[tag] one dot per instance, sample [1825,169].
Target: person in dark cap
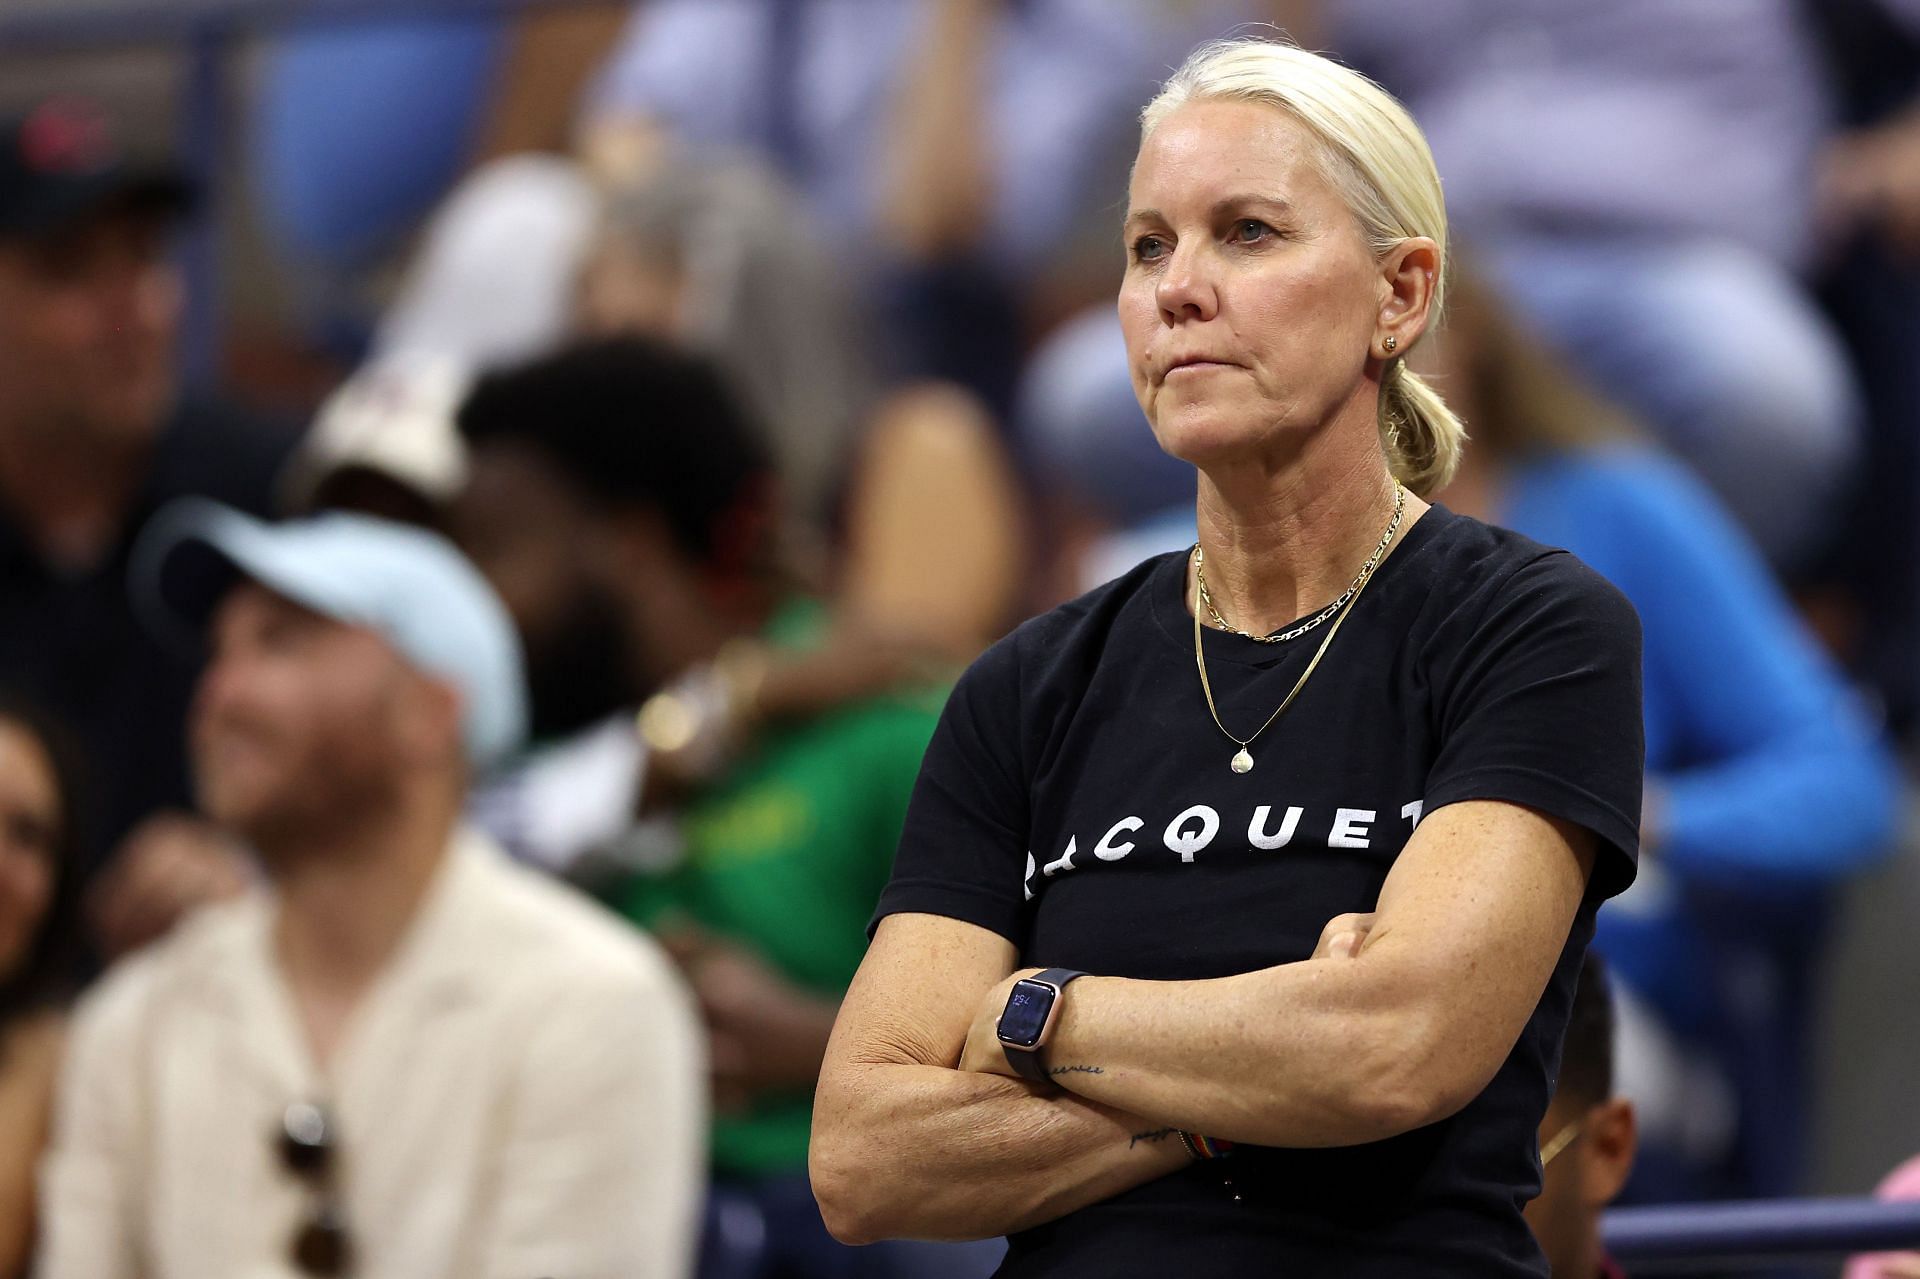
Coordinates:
[96,432]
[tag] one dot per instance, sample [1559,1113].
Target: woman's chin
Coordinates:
[1202,435]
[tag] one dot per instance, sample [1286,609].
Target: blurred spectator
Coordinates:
[905,499]
[493,281]
[767,833]
[947,146]
[1083,430]
[95,434]
[39,809]
[1902,1183]
[1766,783]
[1111,497]
[384,443]
[1870,175]
[412,1058]
[715,255]
[1639,178]
[1869,202]
[1587,1140]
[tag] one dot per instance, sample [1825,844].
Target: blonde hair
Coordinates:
[1375,155]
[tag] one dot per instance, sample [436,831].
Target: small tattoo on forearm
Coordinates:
[1157,1134]
[1076,1070]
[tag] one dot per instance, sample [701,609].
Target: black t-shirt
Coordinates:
[1077,800]
[73,644]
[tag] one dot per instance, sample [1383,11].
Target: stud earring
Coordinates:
[1392,344]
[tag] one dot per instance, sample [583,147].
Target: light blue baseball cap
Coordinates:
[406,584]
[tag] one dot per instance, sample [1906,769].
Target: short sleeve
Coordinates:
[1539,705]
[963,850]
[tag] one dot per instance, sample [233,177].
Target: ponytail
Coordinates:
[1422,437]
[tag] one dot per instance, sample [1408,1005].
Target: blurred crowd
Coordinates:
[437,825]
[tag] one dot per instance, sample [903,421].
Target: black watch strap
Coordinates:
[1027,1063]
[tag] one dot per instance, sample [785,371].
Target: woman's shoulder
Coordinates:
[1058,651]
[1092,616]
[1474,567]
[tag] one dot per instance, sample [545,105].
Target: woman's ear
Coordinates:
[1411,272]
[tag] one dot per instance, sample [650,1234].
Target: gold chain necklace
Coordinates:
[1243,759]
[1281,637]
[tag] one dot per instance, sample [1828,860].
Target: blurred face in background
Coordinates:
[1251,297]
[302,724]
[88,322]
[30,836]
[553,567]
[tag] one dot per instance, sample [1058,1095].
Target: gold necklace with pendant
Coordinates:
[1243,759]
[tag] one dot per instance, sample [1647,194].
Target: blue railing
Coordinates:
[1682,1237]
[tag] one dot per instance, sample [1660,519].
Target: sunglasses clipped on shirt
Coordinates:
[309,1149]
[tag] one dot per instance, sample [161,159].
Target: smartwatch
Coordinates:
[1026,1023]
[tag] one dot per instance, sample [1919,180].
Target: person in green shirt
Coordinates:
[781,749]
[782,857]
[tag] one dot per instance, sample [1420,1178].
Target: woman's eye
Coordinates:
[1250,231]
[1149,248]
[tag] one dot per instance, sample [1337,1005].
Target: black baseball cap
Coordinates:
[60,163]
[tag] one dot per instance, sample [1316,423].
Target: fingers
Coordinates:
[168,866]
[1344,936]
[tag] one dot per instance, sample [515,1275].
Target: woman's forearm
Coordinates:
[1306,1054]
[925,1152]
[1473,918]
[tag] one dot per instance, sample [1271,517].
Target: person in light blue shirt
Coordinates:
[1767,780]
[1639,178]
[953,152]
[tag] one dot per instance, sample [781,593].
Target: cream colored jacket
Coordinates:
[522,1094]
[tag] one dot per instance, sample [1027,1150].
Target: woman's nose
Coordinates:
[1186,290]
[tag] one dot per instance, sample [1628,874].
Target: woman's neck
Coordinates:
[1282,543]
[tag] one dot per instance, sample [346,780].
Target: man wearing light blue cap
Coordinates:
[410,1057]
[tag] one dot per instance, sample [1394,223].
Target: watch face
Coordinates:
[1026,1013]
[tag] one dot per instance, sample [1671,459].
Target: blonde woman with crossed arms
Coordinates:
[1104,1011]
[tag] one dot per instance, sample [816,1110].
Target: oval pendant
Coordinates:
[1243,761]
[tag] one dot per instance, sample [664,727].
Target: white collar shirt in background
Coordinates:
[521,1094]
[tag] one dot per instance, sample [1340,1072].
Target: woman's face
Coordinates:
[1251,299]
[29,841]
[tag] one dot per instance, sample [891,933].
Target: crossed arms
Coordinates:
[1397,1021]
